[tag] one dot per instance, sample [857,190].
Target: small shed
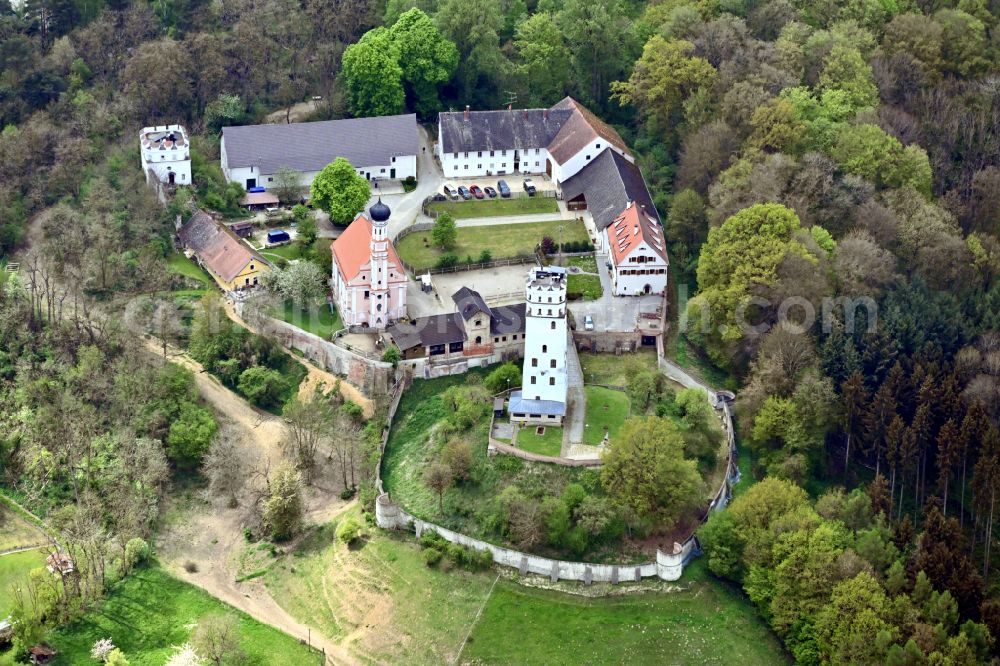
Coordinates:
[276,236]
[60,563]
[41,654]
[259,200]
[243,229]
[498,407]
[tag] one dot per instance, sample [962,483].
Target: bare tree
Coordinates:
[227,464]
[216,639]
[309,423]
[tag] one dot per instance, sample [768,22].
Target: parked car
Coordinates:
[490,192]
[464,192]
[503,188]
[477,191]
[529,187]
[451,192]
[588,323]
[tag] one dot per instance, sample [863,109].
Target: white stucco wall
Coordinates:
[563,172]
[627,284]
[474,165]
[545,306]
[163,163]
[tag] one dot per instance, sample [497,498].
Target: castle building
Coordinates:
[165,153]
[369,283]
[542,398]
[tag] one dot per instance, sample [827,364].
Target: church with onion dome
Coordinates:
[368,281]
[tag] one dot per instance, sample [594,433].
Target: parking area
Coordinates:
[514,180]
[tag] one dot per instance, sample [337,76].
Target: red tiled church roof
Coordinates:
[352,249]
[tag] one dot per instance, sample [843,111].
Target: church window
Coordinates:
[545,348]
[366,294]
[552,381]
[532,379]
[552,363]
[553,326]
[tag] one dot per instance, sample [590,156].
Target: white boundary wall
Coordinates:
[668,566]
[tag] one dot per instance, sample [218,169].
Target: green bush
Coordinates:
[409,184]
[349,530]
[447,260]
[136,552]
[456,554]
[431,556]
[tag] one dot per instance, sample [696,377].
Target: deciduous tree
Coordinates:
[340,191]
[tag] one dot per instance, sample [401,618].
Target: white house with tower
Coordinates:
[165,153]
[542,398]
[368,281]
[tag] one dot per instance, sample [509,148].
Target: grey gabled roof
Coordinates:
[311,146]
[500,130]
[608,184]
[469,302]
[508,319]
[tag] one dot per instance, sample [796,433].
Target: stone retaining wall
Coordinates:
[370,376]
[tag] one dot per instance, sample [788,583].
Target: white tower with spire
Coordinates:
[380,293]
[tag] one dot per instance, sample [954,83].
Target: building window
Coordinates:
[534,362]
[383,170]
[553,326]
[532,379]
[436,349]
[552,363]
[479,154]
[545,348]
[251,266]
[503,166]
[455,346]
[456,156]
[598,146]
[270,180]
[536,152]
[467,156]
[366,294]
[492,152]
[504,338]
[552,381]
[479,166]
[550,311]
[479,323]
[466,167]
[536,163]
[586,157]
[503,153]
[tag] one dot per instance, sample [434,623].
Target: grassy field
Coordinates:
[615,370]
[547,444]
[502,240]
[151,612]
[397,610]
[707,623]
[496,207]
[181,265]
[15,532]
[317,320]
[585,287]
[14,568]
[607,410]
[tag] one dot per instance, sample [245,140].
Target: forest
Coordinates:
[828,173]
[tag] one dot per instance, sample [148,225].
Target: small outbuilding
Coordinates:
[41,654]
[259,200]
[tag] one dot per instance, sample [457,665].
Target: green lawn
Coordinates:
[495,207]
[287,251]
[502,240]
[614,370]
[317,320]
[398,609]
[585,287]
[607,409]
[547,444]
[151,612]
[707,623]
[181,265]
[586,263]
[14,569]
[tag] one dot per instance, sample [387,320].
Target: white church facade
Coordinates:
[368,280]
[542,397]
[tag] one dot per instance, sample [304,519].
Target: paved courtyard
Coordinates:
[612,313]
[503,285]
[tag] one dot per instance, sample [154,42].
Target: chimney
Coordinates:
[467,113]
[525,114]
[545,114]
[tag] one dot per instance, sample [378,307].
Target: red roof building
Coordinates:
[369,281]
[637,251]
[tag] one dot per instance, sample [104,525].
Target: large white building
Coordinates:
[542,398]
[369,283]
[379,148]
[628,227]
[559,141]
[165,153]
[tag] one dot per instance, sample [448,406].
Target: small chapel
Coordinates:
[369,283]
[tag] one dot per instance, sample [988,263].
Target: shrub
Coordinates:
[548,246]
[456,554]
[190,567]
[485,257]
[391,355]
[136,552]
[431,556]
[409,184]
[349,530]
[447,260]
[348,493]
